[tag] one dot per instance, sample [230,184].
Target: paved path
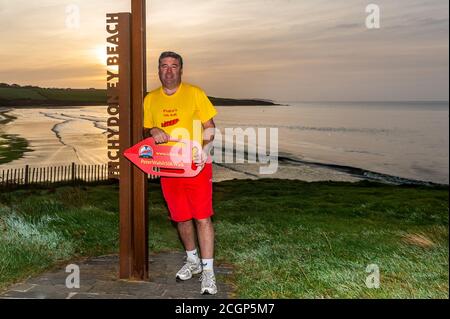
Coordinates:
[99,280]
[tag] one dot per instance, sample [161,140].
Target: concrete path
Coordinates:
[99,280]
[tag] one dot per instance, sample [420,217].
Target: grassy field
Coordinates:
[285,239]
[18,94]
[97,96]
[39,96]
[33,96]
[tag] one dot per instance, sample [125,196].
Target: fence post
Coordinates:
[27,168]
[73,172]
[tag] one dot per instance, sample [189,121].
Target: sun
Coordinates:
[100,54]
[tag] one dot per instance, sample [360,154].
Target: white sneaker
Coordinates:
[208,280]
[190,268]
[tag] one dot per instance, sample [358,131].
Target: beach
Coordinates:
[316,142]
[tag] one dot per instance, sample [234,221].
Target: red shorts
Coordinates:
[189,197]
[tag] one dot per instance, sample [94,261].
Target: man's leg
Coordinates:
[205,232]
[193,263]
[187,234]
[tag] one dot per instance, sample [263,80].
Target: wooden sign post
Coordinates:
[126,91]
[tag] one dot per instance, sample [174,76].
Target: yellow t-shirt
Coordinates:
[180,115]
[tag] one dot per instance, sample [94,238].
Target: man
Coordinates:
[173,108]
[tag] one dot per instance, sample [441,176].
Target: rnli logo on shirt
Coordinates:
[170,123]
[145,152]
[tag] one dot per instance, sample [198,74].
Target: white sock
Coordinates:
[192,255]
[208,264]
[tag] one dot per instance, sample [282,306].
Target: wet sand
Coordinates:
[56,139]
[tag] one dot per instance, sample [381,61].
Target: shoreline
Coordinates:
[56,103]
[5,118]
[364,173]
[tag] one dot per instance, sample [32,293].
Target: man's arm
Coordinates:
[158,134]
[147,133]
[209,130]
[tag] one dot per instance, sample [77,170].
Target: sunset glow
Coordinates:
[280,49]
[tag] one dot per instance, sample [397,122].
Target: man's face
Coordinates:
[170,72]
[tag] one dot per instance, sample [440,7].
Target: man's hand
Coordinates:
[159,135]
[199,157]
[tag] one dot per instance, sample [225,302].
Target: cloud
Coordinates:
[277,49]
[349,26]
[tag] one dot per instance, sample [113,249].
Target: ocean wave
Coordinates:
[99,123]
[340,129]
[364,130]
[360,172]
[363,152]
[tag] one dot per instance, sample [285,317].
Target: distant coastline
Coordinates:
[16,95]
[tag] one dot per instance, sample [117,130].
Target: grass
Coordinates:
[20,94]
[12,146]
[285,239]
[54,96]
[41,95]
[83,95]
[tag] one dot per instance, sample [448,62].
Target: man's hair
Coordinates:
[170,54]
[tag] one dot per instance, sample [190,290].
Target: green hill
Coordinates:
[15,95]
[12,94]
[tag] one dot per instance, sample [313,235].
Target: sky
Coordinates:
[284,50]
